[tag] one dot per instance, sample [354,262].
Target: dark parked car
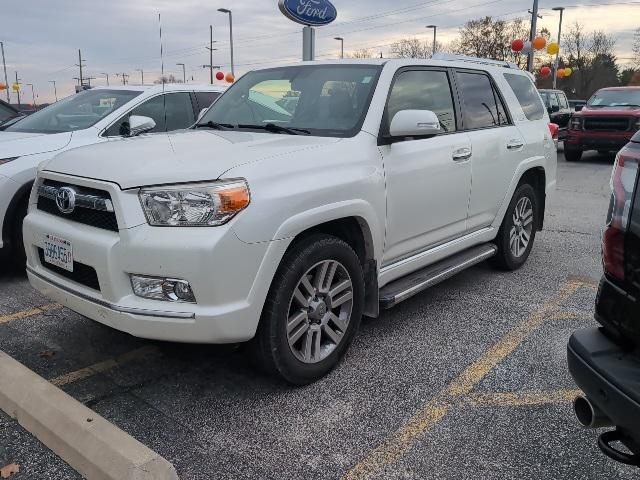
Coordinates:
[605,362]
[606,123]
[7,112]
[558,108]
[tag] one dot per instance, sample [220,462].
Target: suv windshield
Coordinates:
[615,98]
[322,100]
[76,112]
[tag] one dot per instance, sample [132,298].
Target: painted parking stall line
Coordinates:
[30,313]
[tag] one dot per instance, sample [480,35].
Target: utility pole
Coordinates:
[107,75]
[532,35]
[225,10]
[55,90]
[184,73]
[88,79]
[434,38]
[211,49]
[79,65]
[141,74]
[33,94]
[4,66]
[341,40]
[124,77]
[555,64]
[18,92]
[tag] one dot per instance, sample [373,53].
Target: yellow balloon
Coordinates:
[16,87]
[567,72]
[553,48]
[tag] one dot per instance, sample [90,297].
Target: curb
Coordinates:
[90,444]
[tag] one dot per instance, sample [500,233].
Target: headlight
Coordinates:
[7,160]
[195,205]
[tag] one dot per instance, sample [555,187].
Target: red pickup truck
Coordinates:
[606,123]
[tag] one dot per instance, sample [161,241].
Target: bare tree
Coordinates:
[168,79]
[411,48]
[636,47]
[363,53]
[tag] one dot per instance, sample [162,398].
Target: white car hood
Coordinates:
[18,144]
[186,156]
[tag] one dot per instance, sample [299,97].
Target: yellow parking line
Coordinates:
[30,313]
[403,439]
[83,373]
[520,399]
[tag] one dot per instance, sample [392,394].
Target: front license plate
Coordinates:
[58,252]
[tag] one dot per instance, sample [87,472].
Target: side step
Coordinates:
[406,287]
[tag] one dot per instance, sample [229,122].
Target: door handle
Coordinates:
[515,144]
[461,154]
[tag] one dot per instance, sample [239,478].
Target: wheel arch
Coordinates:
[537,178]
[21,195]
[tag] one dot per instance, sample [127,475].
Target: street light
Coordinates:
[555,64]
[141,74]
[225,10]
[55,90]
[184,74]
[106,75]
[33,94]
[341,40]
[435,27]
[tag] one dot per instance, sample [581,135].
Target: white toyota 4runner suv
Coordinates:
[306,197]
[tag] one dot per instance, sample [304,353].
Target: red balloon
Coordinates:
[517,45]
[219,76]
[545,71]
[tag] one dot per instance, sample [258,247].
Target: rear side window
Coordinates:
[482,108]
[205,99]
[526,94]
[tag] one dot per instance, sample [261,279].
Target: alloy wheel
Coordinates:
[520,233]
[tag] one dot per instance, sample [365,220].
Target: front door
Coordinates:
[429,179]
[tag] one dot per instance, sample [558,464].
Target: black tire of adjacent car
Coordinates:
[572,155]
[18,257]
[504,258]
[271,343]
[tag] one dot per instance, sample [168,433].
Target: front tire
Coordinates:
[313,310]
[572,155]
[518,230]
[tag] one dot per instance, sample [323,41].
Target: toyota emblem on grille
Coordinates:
[66,199]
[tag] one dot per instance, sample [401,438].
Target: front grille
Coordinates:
[87,216]
[607,124]
[82,274]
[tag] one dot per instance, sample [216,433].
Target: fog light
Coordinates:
[158,288]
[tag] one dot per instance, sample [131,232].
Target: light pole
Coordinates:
[434,38]
[141,74]
[18,90]
[532,34]
[55,90]
[4,65]
[33,94]
[106,75]
[184,74]
[341,40]
[555,64]
[225,10]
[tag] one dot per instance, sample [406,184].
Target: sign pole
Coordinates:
[308,44]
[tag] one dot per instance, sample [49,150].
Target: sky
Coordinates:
[42,37]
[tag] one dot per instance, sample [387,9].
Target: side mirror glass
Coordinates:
[414,123]
[139,124]
[201,114]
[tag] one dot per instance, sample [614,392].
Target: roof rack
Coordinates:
[451,57]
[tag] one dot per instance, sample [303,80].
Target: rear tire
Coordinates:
[312,311]
[18,256]
[572,155]
[518,230]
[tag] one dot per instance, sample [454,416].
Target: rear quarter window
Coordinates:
[527,95]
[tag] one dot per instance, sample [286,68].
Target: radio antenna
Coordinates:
[161,53]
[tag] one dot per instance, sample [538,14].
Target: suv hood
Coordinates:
[181,157]
[590,111]
[18,144]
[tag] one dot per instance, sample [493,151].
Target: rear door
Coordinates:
[497,145]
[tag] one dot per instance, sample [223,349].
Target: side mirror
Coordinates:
[414,123]
[553,109]
[579,108]
[139,124]
[201,114]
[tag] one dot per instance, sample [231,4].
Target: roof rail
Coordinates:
[451,57]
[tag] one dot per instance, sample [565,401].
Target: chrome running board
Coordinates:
[408,286]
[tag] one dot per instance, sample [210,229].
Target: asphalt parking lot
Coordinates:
[467,380]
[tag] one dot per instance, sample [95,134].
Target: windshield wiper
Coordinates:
[272,127]
[214,125]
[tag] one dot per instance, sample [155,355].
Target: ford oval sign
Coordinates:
[309,12]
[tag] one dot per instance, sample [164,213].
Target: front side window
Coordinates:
[563,100]
[172,111]
[205,99]
[77,112]
[482,108]
[423,90]
[323,100]
[6,113]
[527,95]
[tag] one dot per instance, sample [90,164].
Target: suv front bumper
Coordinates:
[593,140]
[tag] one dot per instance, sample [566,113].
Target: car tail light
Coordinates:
[553,128]
[623,182]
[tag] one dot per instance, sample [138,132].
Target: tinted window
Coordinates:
[172,111]
[423,90]
[325,100]
[527,95]
[76,112]
[480,102]
[205,99]
[6,113]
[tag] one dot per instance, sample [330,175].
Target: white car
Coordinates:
[287,225]
[93,116]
